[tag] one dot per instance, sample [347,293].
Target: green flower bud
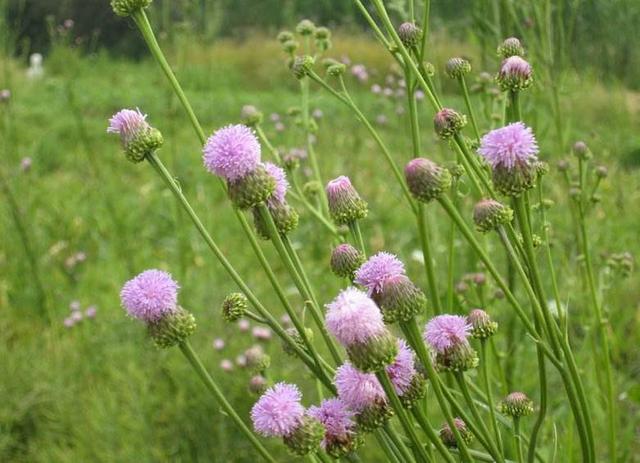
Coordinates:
[284,37]
[128,7]
[457,67]
[250,116]
[510,47]
[375,354]
[409,34]
[516,404]
[173,329]
[374,416]
[482,327]
[234,307]
[449,438]
[489,214]
[306,438]
[252,189]
[306,27]
[426,180]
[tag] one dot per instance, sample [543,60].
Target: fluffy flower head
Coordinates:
[509,146]
[150,296]
[356,389]
[282,184]
[353,317]
[128,123]
[373,273]
[336,418]
[232,152]
[279,411]
[445,331]
[403,368]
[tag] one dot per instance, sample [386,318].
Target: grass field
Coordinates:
[99,391]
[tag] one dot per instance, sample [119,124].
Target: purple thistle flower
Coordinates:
[510,146]
[445,331]
[69,322]
[356,389]
[244,325]
[353,318]
[150,296]
[261,333]
[232,152]
[403,369]
[337,420]
[241,361]
[226,365]
[282,184]
[279,411]
[374,272]
[128,123]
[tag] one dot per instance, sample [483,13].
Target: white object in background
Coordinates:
[35,66]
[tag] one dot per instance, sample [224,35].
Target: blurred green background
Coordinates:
[90,220]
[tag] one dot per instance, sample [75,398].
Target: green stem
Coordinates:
[397,444]
[354,227]
[304,89]
[492,447]
[404,419]
[208,381]
[414,338]
[601,324]
[312,362]
[467,102]
[278,243]
[518,439]
[428,259]
[486,380]
[423,421]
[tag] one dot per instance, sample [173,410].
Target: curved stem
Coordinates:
[208,381]
[391,394]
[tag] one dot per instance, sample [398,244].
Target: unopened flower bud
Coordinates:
[345,204]
[336,70]
[252,189]
[482,327]
[516,404]
[515,181]
[489,214]
[250,115]
[426,180]
[284,216]
[258,384]
[409,34]
[301,65]
[448,122]
[510,47]
[138,138]
[284,36]
[581,150]
[515,74]
[322,33]
[128,7]
[429,68]
[563,165]
[373,416]
[449,438]
[257,359]
[172,329]
[311,189]
[297,339]
[400,300]
[306,437]
[345,260]
[306,27]
[290,46]
[5,95]
[457,67]
[415,392]
[234,307]
[602,172]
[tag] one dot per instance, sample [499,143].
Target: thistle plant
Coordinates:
[375,369]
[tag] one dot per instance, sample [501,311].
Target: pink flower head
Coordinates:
[282,184]
[339,187]
[403,368]
[150,296]
[337,420]
[279,411]
[353,317]
[356,389]
[91,311]
[128,123]
[509,146]
[244,325]
[515,67]
[232,152]
[445,331]
[374,272]
[226,365]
